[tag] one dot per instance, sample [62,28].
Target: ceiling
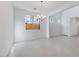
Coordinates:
[48,6]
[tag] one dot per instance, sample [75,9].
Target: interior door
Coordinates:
[55,26]
[77,25]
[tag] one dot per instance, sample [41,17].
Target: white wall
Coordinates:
[20,33]
[65,25]
[55,25]
[77,21]
[6,27]
[78,27]
[73,27]
[68,25]
[67,14]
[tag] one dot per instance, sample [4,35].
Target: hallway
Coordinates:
[61,46]
[39,29]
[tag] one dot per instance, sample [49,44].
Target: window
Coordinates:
[32,23]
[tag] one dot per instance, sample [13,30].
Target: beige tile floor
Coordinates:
[61,46]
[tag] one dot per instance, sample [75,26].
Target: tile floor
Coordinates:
[61,46]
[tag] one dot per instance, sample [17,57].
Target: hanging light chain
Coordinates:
[41,7]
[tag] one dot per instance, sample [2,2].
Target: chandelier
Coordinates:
[40,16]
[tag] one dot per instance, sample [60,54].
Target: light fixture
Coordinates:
[41,16]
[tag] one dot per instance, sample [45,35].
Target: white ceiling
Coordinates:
[48,7]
